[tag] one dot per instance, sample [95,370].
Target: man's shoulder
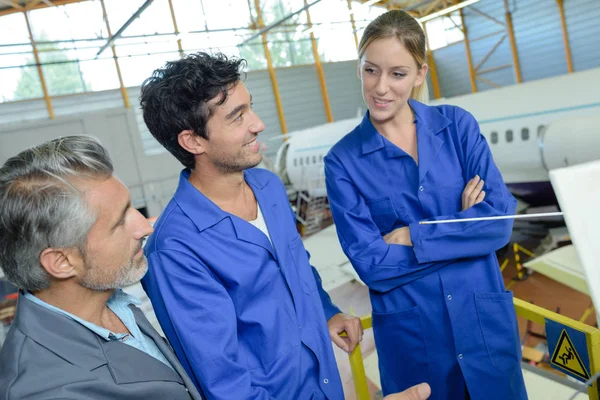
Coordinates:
[172,222]
[9,354]
[23,356]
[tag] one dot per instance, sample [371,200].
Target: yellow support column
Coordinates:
[271,70]
[319,66]
[513,43]
[563,22]
[432,69]
[176,30]
[468,53]
[39,68]
[353,23]
[114,52]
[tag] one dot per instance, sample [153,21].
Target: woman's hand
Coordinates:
[399,236]
[473,193]
[421,391]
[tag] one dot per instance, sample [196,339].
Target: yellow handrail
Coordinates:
[526,310]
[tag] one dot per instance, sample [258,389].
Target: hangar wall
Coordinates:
[151,172]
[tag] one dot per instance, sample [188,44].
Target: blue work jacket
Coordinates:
[247,319]
[441,313]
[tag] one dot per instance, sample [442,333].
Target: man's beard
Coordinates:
[99,279]
[237,163]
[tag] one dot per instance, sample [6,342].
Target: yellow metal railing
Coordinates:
[358,367]
[524,309]
[592,335]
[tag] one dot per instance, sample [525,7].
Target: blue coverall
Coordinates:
[246,318]
[441,313]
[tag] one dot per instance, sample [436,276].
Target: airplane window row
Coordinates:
[509,135]
[307,160]
[494,138]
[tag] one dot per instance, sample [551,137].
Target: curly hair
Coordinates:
[175,98]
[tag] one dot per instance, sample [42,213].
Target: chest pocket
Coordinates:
[383,214]
[303,268]
[451,197]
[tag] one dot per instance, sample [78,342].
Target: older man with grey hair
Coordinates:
[70,239]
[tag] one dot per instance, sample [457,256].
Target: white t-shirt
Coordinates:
[260,223]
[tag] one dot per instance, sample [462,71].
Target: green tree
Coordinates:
[285,50]
[62,77]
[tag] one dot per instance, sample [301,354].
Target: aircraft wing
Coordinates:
[578,194]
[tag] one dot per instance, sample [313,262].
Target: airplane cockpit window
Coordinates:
[525,134]
[494,137]
[509,135]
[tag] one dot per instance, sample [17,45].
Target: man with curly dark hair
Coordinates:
[229,277]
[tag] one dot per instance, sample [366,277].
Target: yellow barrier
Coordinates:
[520,269]
[592,335]
[524,309]
[357,366]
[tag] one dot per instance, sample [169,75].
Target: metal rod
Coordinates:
[121,57]
[39,68]
[487,35]
[353,23]
[35,3]
[273,25]
[319,66]
[489,53]
[176,29]
[271,69]
[519,216]
[513,43]
[563,23]
[124,93]
[154,35]
[430,8]
[483,71]
[415,6]
[477,11]
[482,79]
[17,7]
[472,71]
[114,37]
[432,68]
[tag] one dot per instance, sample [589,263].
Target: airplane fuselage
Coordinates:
[531,128]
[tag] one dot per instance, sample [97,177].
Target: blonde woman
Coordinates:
[441,313]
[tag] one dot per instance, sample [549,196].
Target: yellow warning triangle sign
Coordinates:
[565,356]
